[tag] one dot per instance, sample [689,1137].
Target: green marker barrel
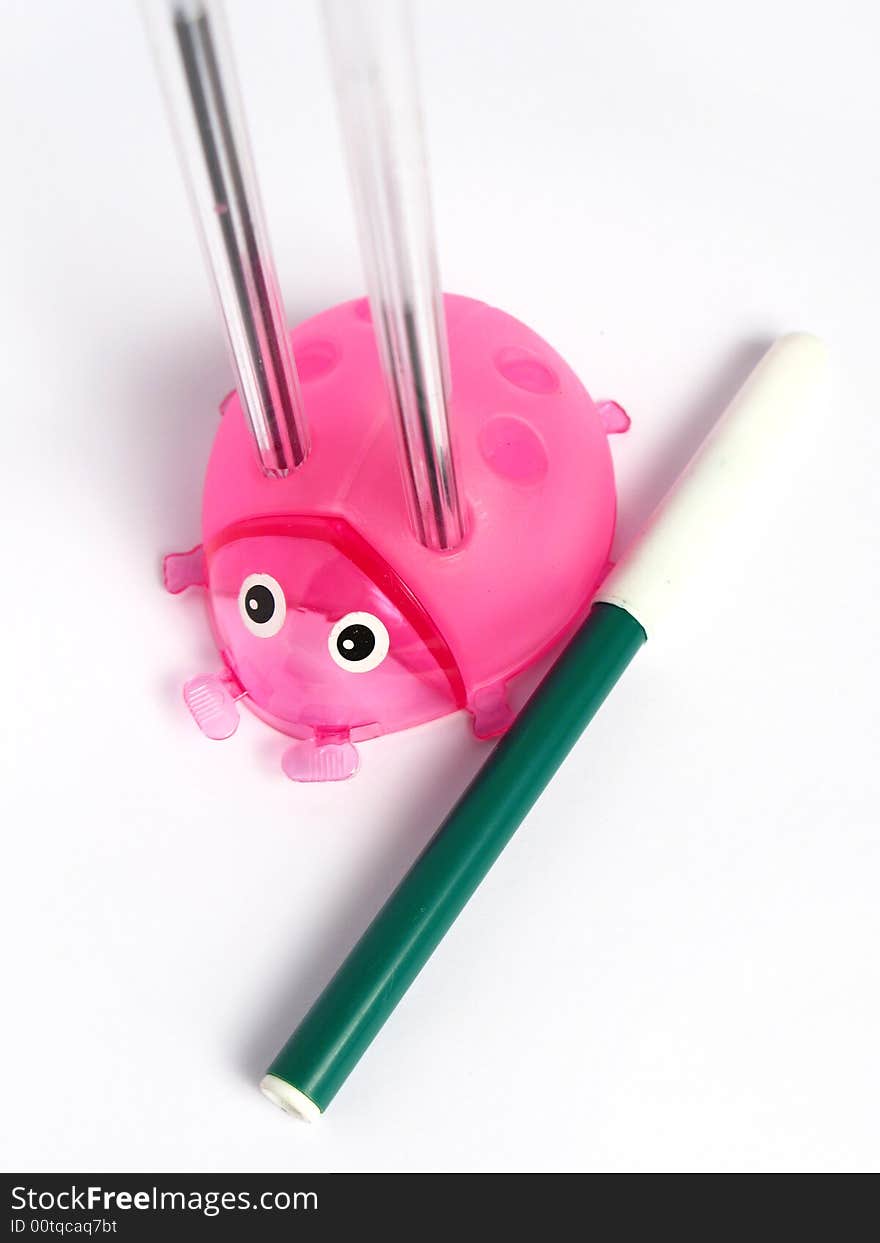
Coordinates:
[326,1046]
[342,1023]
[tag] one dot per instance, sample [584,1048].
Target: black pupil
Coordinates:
[355,642]
[259,603]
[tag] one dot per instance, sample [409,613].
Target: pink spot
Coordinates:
[362,310]
[513,449]
[315,359]
[525,370]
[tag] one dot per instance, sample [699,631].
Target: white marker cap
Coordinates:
[719,479]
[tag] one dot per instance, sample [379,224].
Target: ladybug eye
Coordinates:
[359,642]
[262,605]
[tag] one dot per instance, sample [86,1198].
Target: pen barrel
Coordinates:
[352,1009]
[372,55]
[720,480]
[196,69]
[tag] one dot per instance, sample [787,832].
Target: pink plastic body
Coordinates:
[334,623]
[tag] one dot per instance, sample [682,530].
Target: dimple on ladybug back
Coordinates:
[333,623]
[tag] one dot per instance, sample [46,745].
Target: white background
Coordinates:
[674,964]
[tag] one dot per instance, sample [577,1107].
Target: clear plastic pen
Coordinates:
[373,62]
[197,72]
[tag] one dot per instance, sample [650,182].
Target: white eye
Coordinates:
[262,605]
[359,642]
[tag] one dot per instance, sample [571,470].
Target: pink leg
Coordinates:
[614,418]
[211,700]
[323,758]
[491,712]
[185,569]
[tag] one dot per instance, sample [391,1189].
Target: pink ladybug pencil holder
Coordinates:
[333,623]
